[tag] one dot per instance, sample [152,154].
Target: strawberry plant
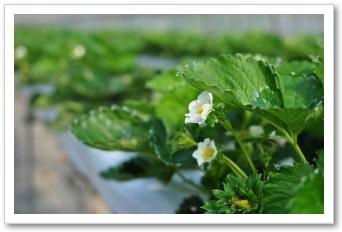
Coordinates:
[249,116]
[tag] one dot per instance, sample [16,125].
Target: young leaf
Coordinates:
[112,129]
[238,196]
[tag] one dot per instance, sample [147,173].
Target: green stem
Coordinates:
[299,152]
[235,168]
[190,182]
[260,148]
[226,124]
[294,144]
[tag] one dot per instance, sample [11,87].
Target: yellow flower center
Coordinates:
[208,153]
[200,109]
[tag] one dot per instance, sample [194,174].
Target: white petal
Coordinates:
[212,145]
[205,97]
[206,110]
[198,156]
[190,120]
[193,106]
[193,118]
[203,145]
[206,141]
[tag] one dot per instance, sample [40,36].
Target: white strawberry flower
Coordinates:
[206,151]
[20,52]
[200,108]
[78,51]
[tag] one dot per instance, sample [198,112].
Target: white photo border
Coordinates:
[326,218]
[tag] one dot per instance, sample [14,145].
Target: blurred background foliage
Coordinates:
[86,69]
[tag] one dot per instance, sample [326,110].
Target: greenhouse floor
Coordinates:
[45,182]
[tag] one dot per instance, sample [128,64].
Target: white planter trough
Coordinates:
[143,195]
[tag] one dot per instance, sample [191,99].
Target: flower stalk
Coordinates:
[226,124]
[294,144]
[234,167]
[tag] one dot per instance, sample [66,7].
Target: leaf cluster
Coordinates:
[294,189]
[238,196]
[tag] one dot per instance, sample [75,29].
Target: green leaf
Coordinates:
[292,103]
[234,79]
[282,186]
[176,96]
[309,197]
[158,138]
[139,167]
[301,92]
[303,102]
[173,106]
[297,68]
[113,128]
